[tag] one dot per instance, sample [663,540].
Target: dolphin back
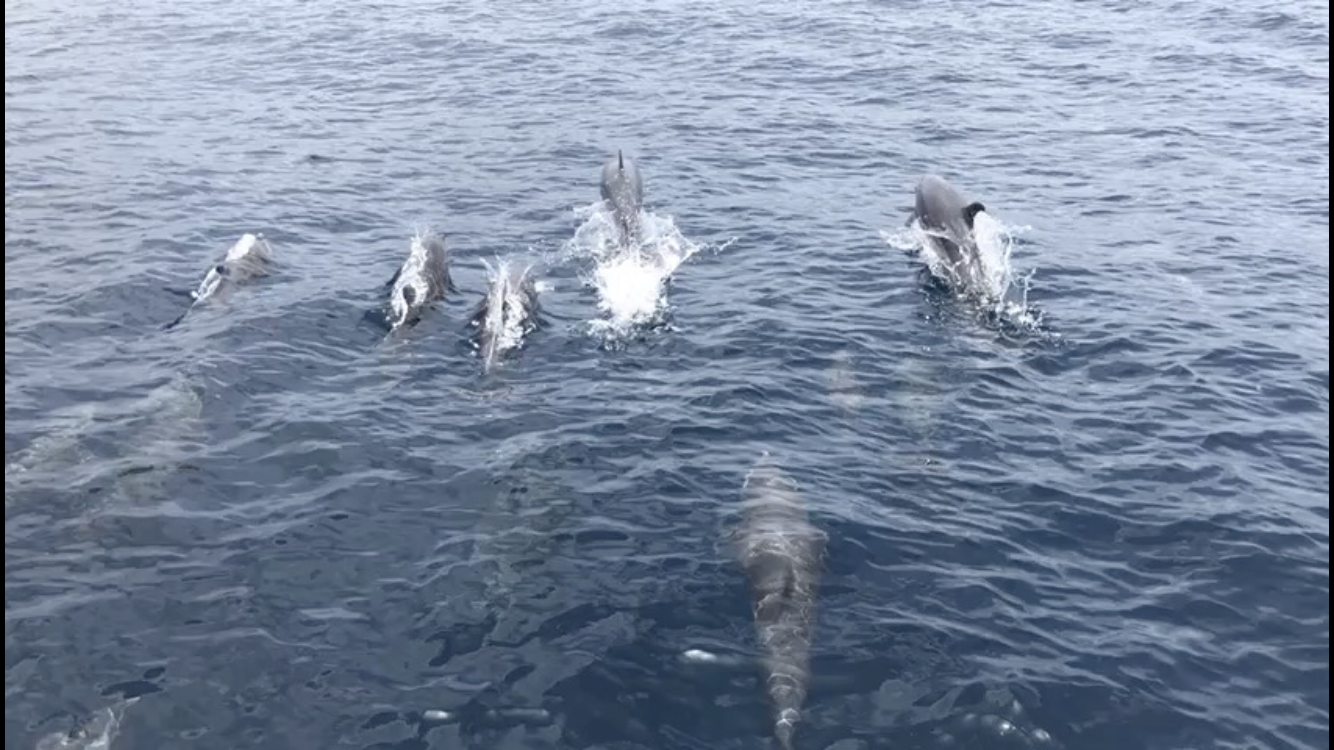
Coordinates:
[623,190]
[437,262]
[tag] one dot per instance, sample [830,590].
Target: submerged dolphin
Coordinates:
[422,280]
[782,554]
[948,218]
[623,190]
[506,314]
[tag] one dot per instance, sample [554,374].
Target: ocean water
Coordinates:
[1094,517]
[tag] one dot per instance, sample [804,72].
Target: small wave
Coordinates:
[631,282]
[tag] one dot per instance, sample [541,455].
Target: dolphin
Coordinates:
[782,554]
[506,313]
[623,190]
[422,280]
[948,218]
[250,256]
[96,732]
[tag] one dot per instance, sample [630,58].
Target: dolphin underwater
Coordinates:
[422,280]
[782,554]
[948,218]
[506,313]
[623,190]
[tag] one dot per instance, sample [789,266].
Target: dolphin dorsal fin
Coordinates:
[971,211]
[620,158]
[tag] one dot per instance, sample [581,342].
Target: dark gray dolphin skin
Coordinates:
[422,280]
[942,210]
[507,312]
[782,554]
[623,190]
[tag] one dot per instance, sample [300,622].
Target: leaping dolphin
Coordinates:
[623,190]
[948,219]
[782,554]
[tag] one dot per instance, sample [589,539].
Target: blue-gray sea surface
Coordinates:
[279,528]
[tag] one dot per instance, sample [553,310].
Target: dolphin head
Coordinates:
[213,280]
[971,211]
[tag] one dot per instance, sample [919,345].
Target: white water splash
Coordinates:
[631,282]
[990,282]
[414,274]
[993,254]
[507,316]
